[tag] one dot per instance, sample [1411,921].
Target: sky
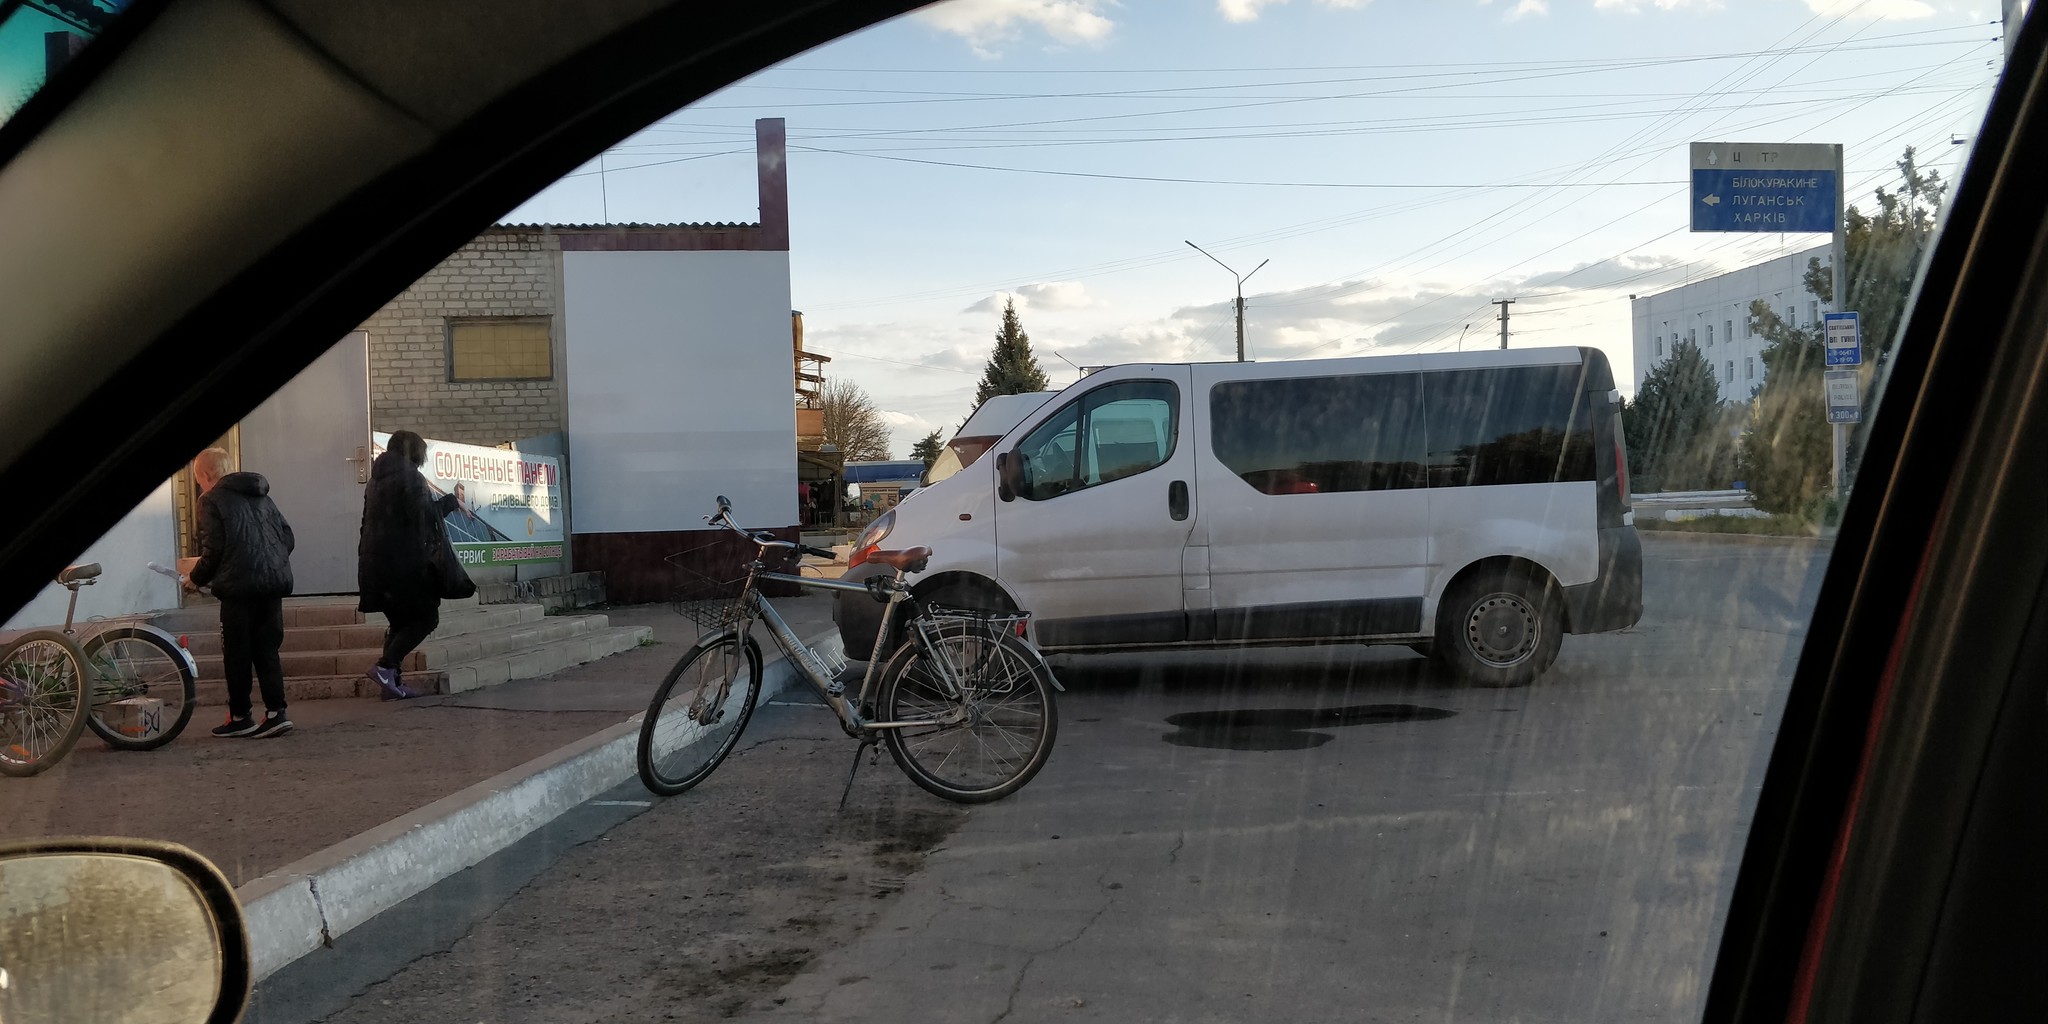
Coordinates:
[1399,164]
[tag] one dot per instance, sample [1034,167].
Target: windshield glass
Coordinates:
[1394,609]
[39,37]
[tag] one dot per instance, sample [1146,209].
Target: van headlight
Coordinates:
[871,538]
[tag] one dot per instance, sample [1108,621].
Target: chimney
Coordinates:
[771,154]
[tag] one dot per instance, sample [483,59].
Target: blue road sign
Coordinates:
[1764,188]
[1843,336]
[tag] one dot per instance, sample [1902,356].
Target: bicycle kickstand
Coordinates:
[866,743]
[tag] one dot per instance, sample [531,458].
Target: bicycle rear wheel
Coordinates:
[698,713]
[988,741]
[143,688]
[44,701]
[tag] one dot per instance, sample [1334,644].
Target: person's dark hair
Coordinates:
[412,446]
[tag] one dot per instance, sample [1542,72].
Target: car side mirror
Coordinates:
[118,929]
[1009,475]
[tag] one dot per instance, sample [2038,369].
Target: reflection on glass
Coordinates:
[104,937]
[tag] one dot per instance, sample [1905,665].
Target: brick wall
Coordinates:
[505,272]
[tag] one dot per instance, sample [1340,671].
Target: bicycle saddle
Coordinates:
[907,559]
[80,573]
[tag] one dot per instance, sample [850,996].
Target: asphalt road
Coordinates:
[1330,834]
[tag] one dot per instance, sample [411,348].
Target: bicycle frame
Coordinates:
[810,666]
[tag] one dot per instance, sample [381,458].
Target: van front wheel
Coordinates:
[1501,627]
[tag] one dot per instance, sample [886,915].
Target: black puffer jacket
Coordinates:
[396,563]
[245,546]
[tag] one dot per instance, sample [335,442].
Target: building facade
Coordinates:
[1713,314]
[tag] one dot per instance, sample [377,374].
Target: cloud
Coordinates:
[905,419]
[1902,10]
[1636,6]
[1042,296]
[1528,8]
[987,24]
[1241,11]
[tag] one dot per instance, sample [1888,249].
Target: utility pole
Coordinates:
[1239,304]
[1503,304]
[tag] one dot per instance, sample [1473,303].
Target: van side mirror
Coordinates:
[1009,475]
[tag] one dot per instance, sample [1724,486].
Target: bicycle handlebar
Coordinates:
[723,518]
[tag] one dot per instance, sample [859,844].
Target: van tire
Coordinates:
[1502,626]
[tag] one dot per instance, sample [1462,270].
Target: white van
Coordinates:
[1473,506]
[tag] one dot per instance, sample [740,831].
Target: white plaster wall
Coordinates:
[147,534]
[1723,301]
[679,388]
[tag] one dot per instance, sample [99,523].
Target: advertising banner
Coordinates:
[510,502]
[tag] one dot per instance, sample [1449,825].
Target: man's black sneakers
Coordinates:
[274,724]
[236,727]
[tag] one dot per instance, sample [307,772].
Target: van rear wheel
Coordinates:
[1501,627]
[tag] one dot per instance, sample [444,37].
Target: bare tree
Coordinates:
[853,422]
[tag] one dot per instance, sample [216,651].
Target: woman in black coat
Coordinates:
[399,567]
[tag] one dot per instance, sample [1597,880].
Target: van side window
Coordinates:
[1106,435]
[1507,425]
[1320,435]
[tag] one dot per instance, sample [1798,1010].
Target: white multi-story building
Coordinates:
[1713,313]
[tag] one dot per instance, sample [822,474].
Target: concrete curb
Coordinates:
[303,906]
[1737,538]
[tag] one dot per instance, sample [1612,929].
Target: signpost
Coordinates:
[1772,188]
[1842,339]
[1739,186]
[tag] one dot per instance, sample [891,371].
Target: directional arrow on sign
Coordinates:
[1713,158]
[1711,200]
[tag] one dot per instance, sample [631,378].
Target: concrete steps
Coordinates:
[329,646]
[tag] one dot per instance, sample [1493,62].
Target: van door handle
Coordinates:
[1177,500]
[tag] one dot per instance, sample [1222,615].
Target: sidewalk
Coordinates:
[252,806]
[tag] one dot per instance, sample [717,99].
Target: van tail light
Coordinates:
[1621,470]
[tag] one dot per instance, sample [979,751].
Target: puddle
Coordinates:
[1284,728]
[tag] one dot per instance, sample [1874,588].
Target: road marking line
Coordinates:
[622,803]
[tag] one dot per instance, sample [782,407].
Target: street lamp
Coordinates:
[1241,279]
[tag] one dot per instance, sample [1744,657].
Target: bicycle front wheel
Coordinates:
[697,715]
[143,688]
[981,738]
[44,701]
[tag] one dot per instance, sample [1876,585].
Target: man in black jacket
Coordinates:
[245,555]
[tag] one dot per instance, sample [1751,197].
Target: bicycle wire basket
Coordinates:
[709,587]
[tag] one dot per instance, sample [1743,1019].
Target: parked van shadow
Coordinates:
[1284,728]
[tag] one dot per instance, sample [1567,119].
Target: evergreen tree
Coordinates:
[1676,436]
[1012,369]
[928,448]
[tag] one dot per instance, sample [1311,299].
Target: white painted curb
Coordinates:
[303,906]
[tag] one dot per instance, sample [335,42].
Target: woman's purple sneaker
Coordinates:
[387,680]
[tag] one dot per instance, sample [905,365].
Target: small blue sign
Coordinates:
[1735,199]
[1843,336]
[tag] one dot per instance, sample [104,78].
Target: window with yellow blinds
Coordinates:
[500,349]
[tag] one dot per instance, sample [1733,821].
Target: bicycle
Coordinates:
[52,688]
[965,706]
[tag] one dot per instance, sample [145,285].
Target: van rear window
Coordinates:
[1507,425]
[1320,435]
[1392,431]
